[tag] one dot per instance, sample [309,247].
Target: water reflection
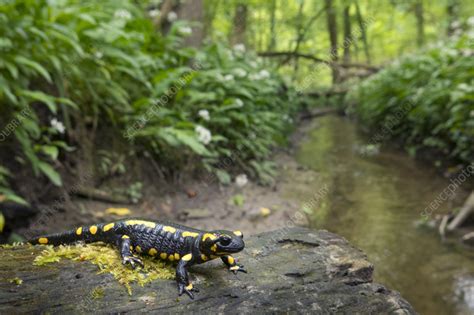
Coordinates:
[374,201]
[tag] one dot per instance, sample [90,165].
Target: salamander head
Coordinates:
[222,242]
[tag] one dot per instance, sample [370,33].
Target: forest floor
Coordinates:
[202,204]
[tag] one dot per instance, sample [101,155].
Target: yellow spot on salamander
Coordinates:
[163,255]
[79,231]
[109,227]
[169,229]
[230,260]
[192,234]
[189,287]
[125,236]
[214,248]
[93,229]
[141,222]
[176,256]
[138,249]
[238,233]
[152,252]
[171,257]
[188,257]
[203,257]
[43,240]
[208,235]
[234,268]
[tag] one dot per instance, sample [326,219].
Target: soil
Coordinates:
[200,203]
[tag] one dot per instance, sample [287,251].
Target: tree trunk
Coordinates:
[420,23]
[299,37]
[192,10]
[452,11]
[161,22]
[363,33]
[347,34]
[273,6]
[332,30]
[240,25]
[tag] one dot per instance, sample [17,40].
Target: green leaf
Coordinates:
[35,66]
[51,151]
[49,171]
[2,222]
[42,97]
[223,176]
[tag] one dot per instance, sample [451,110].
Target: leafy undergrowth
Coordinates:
[108,260]
[425,100]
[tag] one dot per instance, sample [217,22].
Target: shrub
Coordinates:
[66,64]
[426,99]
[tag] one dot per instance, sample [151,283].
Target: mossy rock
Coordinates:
[290,270]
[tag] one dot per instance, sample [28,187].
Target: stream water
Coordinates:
[375,202]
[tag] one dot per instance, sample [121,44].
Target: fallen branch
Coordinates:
[326,93]
[292,54]
[442,226]
[318,112]
[100,195]
[463,214]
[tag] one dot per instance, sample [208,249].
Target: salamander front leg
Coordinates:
[127,256]
[184,286]
[231,263]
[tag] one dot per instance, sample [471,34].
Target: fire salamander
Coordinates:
[164,240]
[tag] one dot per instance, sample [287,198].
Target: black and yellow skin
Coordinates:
[164,240]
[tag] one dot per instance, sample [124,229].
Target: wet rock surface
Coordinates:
[293,270]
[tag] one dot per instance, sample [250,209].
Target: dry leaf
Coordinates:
[118,211]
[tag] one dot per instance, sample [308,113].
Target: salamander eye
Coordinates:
[225,240]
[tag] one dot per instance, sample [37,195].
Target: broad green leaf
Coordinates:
[49,171]
[42,97]
[51,151]
[2,221]
[35,66]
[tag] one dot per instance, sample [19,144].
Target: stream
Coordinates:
[375,202]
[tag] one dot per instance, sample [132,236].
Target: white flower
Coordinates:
[230,55]
[467,52]
[264,74]
[98,54]
[186,30]
[204,135]
[238,102]
[464,87]
[204,114]
[240,72]
[122,14]
[239,48]
[172,16]
[254,76]
[154,13]
[455,24]
[253,64]
[57,125]
[471,113]
[228,77]
[241,180]
[470,21]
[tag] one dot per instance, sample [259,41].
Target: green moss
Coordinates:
[16,281]
[98,293]
[108,260]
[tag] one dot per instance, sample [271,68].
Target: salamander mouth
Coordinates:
[232,247]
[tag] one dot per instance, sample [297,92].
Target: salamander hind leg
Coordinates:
[232,264]
[127,256]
